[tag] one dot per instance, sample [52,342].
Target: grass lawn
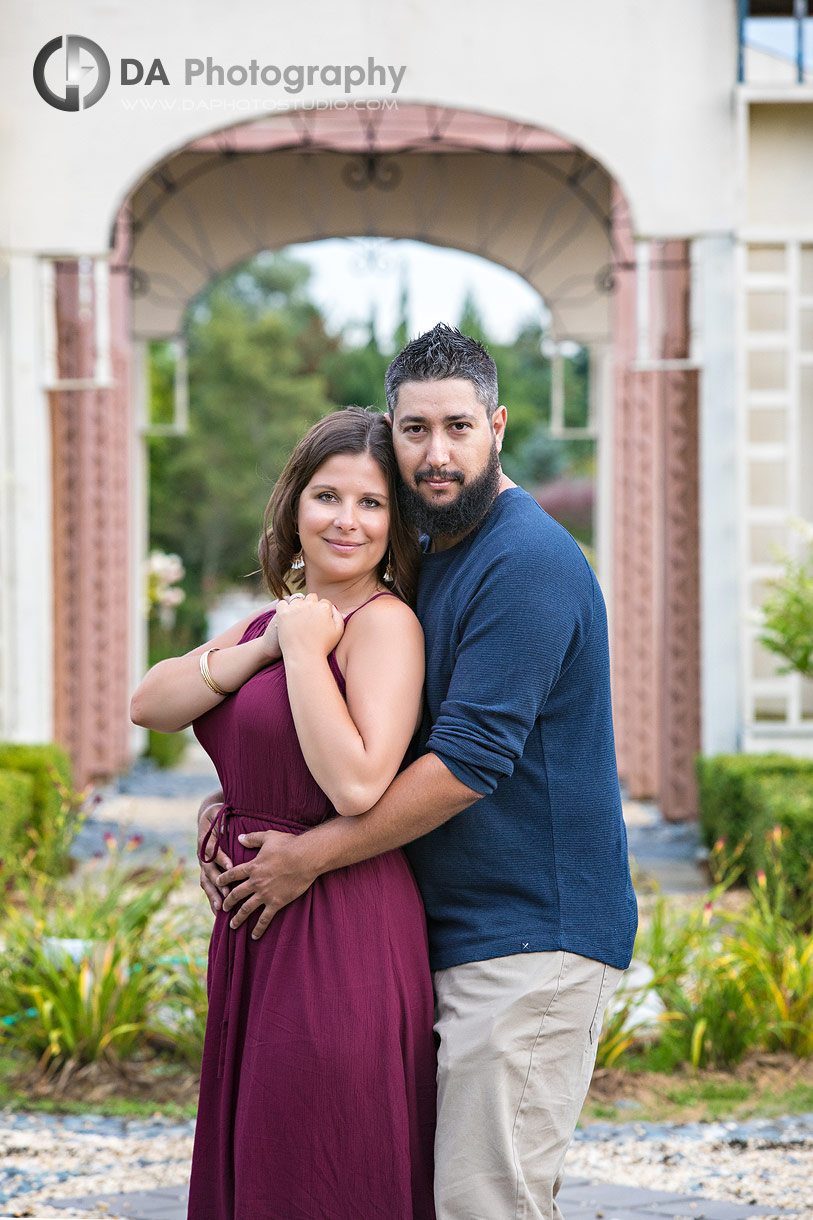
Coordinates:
[762,1086]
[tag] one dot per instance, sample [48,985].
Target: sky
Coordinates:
[778,34]
[352,277]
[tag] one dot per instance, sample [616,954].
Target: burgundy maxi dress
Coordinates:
[317,1096]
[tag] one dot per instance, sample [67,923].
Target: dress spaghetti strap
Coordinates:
[383,593]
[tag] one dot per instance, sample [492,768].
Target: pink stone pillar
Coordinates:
[655,614]
[91,535]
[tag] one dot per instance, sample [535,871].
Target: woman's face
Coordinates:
[343,518]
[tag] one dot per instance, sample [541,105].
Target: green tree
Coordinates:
[355,375]
[471,321]
[788,609]
[256,347]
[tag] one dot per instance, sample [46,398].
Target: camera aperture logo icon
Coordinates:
[75,72]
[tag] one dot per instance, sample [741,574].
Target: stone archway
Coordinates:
[517,195]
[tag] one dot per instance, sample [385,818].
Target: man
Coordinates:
[512,815]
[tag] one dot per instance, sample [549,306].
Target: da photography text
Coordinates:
[73,73]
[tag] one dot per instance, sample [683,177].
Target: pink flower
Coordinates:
[720,844]
[762,880]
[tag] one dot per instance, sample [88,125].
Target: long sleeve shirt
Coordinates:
[518,697]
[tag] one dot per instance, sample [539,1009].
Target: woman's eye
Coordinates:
[368,503]
[325,495]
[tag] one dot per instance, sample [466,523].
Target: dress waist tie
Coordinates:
[218,828]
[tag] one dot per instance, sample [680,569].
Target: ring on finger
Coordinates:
[294,596]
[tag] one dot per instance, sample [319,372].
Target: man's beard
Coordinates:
[468,509]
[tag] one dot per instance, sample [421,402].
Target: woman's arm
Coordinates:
[173,693]
[354,748]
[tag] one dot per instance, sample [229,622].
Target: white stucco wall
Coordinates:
[645,88]
[26,591]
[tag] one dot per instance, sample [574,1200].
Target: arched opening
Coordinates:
[520,197]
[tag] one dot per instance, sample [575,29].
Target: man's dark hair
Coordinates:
[441,353]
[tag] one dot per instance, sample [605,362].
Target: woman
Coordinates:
[317,1093]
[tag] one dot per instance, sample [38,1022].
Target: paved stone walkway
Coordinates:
[578,1199]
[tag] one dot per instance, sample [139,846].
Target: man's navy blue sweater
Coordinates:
[518,695]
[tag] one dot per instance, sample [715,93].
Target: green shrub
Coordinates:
[771,948]
[78,977]
[55,808]
[73,1011]
[165,748]
[787,612]
[743,795]
[180,1022]
[16,812]
[733,980]
[789,805]
[714,1021]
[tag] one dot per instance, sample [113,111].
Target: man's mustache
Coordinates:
[429,473]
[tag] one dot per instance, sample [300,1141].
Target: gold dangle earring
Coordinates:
[389,571]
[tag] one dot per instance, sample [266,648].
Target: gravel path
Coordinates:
[764,1163]
[45,1156]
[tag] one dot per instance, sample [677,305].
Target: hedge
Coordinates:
[166,749]
[38,761]
[16,809]
[743,795]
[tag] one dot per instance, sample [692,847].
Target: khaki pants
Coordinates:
[518,1038]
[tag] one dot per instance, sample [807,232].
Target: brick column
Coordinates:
[656,596]
[90,521]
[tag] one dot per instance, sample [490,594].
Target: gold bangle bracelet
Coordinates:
[207,677]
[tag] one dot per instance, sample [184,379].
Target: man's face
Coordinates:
[447,451]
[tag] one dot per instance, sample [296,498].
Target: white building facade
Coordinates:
[645,173]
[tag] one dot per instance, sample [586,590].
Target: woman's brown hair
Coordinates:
[352,430]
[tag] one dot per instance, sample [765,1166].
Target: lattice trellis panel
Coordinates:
[777,457]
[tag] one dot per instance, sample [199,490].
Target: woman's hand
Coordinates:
[269,640]
[210,870]
[311,625]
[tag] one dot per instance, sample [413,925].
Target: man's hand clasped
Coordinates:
[274,877]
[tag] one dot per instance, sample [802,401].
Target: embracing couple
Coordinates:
[335,1084]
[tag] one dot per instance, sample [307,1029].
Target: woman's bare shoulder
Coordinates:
[385,613]
[371,632]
